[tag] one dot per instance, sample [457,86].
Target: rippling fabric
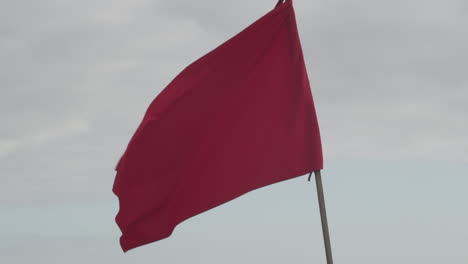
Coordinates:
[237,119]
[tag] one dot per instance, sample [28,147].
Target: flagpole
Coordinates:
[323,215]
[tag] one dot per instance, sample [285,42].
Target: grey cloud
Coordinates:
[389,79]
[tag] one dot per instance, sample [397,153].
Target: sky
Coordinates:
[390,84]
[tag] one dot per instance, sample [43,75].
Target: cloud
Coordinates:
[389,79]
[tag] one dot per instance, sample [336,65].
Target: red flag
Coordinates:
[237,119]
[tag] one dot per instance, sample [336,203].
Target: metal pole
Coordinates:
[323,216]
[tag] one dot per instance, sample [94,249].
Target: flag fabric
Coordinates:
[239,118]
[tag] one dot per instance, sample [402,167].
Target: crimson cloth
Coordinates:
[237,119]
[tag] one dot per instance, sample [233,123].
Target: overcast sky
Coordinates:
[390,83]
